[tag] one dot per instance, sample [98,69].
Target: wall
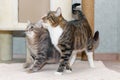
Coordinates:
[32,10]
[118,21]
[107,19]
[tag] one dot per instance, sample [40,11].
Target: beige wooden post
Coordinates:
[88,10]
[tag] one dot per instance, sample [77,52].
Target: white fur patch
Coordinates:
[58,73]
[68,71]
[55,33]
[90,59]
[30,34]
[73,56]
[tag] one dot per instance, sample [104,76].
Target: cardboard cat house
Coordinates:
[13,18]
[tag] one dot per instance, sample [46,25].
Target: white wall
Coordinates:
[76,1]
[118,21]
[107,19]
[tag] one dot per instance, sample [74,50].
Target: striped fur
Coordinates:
[40,47]
[76,37]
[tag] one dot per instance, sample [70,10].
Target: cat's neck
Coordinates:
[62,22]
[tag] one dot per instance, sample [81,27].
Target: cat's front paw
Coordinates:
[58,73]
[68,71]
[26,65]
[92,66]
[30,71]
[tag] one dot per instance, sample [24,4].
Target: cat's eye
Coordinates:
[31,28]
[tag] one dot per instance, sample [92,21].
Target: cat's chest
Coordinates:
[55,33]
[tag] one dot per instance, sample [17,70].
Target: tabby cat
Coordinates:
[40,47]
[76,37]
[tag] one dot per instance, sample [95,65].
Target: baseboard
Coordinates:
[105,56]
[119,57]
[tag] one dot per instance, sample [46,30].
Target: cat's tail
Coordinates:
[77,12]
[96,39]
[74,7]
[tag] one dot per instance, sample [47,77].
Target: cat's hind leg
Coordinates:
[90,58]
[38,63]
[72,58]
[29,62]
[71,62]
[64,62]
[36,66]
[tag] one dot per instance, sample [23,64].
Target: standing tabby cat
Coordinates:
[40,47]
[76,37]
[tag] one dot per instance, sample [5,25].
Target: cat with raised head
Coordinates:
[41,49]
[76,37]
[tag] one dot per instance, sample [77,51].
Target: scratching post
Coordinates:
[6,43]
[65,5]
[88,10]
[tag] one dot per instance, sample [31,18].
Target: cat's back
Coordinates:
[81,31]
[79,23]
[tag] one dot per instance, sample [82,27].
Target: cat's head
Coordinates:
[53,18]
[33,28]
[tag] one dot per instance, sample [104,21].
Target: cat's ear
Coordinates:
[44,18]
[28,22]
[58,12]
